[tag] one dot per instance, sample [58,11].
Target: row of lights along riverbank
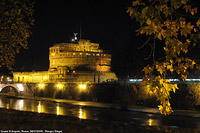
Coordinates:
[60,86]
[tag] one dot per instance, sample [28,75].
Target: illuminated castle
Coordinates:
[84,54]
[70,62]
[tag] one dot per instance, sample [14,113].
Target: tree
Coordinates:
[172,24]
[15,28]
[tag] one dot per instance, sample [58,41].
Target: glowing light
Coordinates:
[150,122]
[59,86]
[45,77]
[75,36]
[20,87]
[135,80]
[41,86]
[1,78]
[39,107]
[80,114]
[21,104]
[7,106]
[82,86]
[192,80]
[172,80]
[57,110]
[9,79]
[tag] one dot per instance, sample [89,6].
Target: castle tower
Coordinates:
[84,56]
[69,62]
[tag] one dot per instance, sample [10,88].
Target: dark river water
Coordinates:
[99,113]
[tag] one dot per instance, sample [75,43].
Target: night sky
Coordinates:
[102,21]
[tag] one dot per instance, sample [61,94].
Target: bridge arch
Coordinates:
[15,87]
[10,89]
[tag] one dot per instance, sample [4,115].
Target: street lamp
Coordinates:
[82,87]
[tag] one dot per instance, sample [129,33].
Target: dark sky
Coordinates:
[102,21]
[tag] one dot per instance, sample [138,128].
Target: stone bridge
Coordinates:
[17,89]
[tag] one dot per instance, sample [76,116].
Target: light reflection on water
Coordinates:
[46,107]
[82,114]
[97,114]
[60,110]
[39,108]
[7,106]
[152,122]
[43,107]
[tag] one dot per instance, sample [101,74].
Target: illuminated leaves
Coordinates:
[184,1]
[186,29]
[15,24]
[148,70]
[198,22]
[148,22]
[160,69]
[161,88]
[187,8]
[130,11]
[135,3]
[166,21]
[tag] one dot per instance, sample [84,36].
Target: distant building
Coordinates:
[69,62]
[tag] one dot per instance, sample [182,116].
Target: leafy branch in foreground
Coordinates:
[15,24]
[173,25]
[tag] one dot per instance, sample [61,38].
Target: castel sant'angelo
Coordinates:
[73,62]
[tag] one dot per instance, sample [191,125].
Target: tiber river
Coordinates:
[99,113]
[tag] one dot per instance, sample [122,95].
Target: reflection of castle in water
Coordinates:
[69,62]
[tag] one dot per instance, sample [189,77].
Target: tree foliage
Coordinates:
[174,25]
[15,28]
